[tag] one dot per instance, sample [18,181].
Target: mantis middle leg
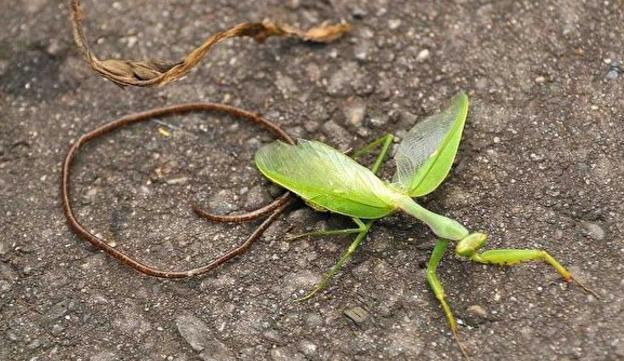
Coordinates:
[469,247]
[364,227]
[332,232]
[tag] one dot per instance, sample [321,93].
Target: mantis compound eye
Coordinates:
[470,244]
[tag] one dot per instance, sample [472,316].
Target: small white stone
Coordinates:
[394,24]
[477,311]
[131,41]
[423,55]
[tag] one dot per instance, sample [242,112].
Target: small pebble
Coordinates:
[286,85]
[477,311]
[361,50]
[423,55]
[5,286]
[357,314]
[613,74]
[104,356]
[256,197]
[3,248]
[57,329]
[285,354]
[301,218]
[308,348]
[615,70]
[340,81]
[194,331]
[380,120]
[4,65]
[223,202]
[338,135]
[594,231]
[358,12]
[180,180]
[354,110]
[394,24]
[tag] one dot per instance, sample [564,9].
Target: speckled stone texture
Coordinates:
[540,166]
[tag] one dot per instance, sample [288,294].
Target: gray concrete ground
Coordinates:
[539,167]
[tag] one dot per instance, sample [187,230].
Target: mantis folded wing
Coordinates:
[325,177]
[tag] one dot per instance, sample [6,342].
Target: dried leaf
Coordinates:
[326,33]
[151,73]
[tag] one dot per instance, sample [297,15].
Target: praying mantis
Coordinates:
[329,180]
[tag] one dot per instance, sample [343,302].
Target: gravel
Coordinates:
[594,231]
[61,299]
[354,111]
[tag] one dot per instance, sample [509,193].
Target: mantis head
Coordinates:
[469,245]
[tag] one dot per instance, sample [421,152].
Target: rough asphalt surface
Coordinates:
[540,166]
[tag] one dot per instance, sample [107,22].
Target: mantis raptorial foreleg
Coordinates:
[434,283]
[469,246]
[364,227]
[438,290]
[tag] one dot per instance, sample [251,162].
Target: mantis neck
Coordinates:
[442,226]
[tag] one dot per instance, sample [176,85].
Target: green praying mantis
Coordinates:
[329,180]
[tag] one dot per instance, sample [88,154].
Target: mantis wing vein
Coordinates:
[426,154]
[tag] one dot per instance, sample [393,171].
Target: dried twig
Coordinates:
[150,73]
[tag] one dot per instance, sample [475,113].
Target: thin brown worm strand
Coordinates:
[275,208]
[244,217]
[148,73]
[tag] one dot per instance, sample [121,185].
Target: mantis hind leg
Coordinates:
[469,246]
[363,227]
[385,142]
[344,258]
[438,290]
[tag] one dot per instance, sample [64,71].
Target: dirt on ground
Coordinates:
[540,166]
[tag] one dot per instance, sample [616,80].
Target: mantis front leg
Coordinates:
[469,246]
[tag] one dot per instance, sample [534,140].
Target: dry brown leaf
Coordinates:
[151,73]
